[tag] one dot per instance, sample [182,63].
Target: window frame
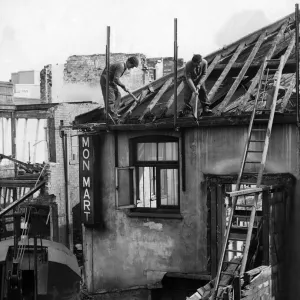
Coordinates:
[159,165]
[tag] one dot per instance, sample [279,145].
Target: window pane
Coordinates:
[167,151]
[146,152]
[147,187]
[169,187]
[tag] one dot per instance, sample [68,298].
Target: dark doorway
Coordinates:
[28,284]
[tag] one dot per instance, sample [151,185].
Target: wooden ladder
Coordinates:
[264,80]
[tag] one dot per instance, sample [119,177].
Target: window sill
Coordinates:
[139,214]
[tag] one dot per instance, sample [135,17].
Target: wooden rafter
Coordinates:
[289,50]
[269,55]
[134,105]
[156,98]
[288,93]
[241,75]
[225,71]
[171,100]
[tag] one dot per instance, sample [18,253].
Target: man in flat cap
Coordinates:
[194,76]
[116,71]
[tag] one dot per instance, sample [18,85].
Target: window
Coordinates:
[155,173]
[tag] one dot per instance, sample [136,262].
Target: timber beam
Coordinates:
[14,183]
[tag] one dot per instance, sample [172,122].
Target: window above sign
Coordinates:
[151,183]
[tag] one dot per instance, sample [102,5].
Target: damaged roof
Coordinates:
[231,83]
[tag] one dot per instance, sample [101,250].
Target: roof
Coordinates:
[231,82]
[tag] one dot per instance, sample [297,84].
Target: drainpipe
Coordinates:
[66,171]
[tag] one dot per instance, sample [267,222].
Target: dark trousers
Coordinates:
[202,95]
[114,95]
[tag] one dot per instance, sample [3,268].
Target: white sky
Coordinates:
[34,33]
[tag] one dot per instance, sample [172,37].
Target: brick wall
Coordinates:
[56,183]
[87,69]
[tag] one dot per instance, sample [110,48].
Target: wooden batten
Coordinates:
[288,93]
[241,75]
[218,83]
[269,55]
[156,98]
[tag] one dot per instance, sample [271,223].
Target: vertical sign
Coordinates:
[86,182]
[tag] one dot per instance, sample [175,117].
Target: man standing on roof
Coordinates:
[194,76]
[116,71]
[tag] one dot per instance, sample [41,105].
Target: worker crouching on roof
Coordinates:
[194,76]
[116,71]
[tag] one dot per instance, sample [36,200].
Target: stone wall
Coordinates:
[46,84]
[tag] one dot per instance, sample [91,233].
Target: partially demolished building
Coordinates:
[154,194]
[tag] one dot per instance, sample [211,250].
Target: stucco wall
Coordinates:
[138,251]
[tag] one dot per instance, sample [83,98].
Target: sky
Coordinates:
[35,33]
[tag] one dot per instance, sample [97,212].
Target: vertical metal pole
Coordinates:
[297,58]
[175,72]
[107,71]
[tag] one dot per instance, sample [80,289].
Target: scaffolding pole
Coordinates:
[107,72]
[175,72]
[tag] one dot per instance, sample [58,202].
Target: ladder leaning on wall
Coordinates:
[264,80]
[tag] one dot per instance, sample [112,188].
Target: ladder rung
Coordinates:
[257,141]
[261,120]
[253,162]
[273,59]
[255,151]
[250,173]
[227,273]
[231,262]
[237,251]
[272,69]
[254,129]
[237,239]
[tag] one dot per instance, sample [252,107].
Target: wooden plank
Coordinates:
[218,83]
[255,80]
[213,230]
[245,192]
[241,75]
[288,93]
[221,225]
[266,228]
[156,98]
[134,105]
[171,100]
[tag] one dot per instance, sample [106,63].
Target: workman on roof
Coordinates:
[194,76]
[116,71]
